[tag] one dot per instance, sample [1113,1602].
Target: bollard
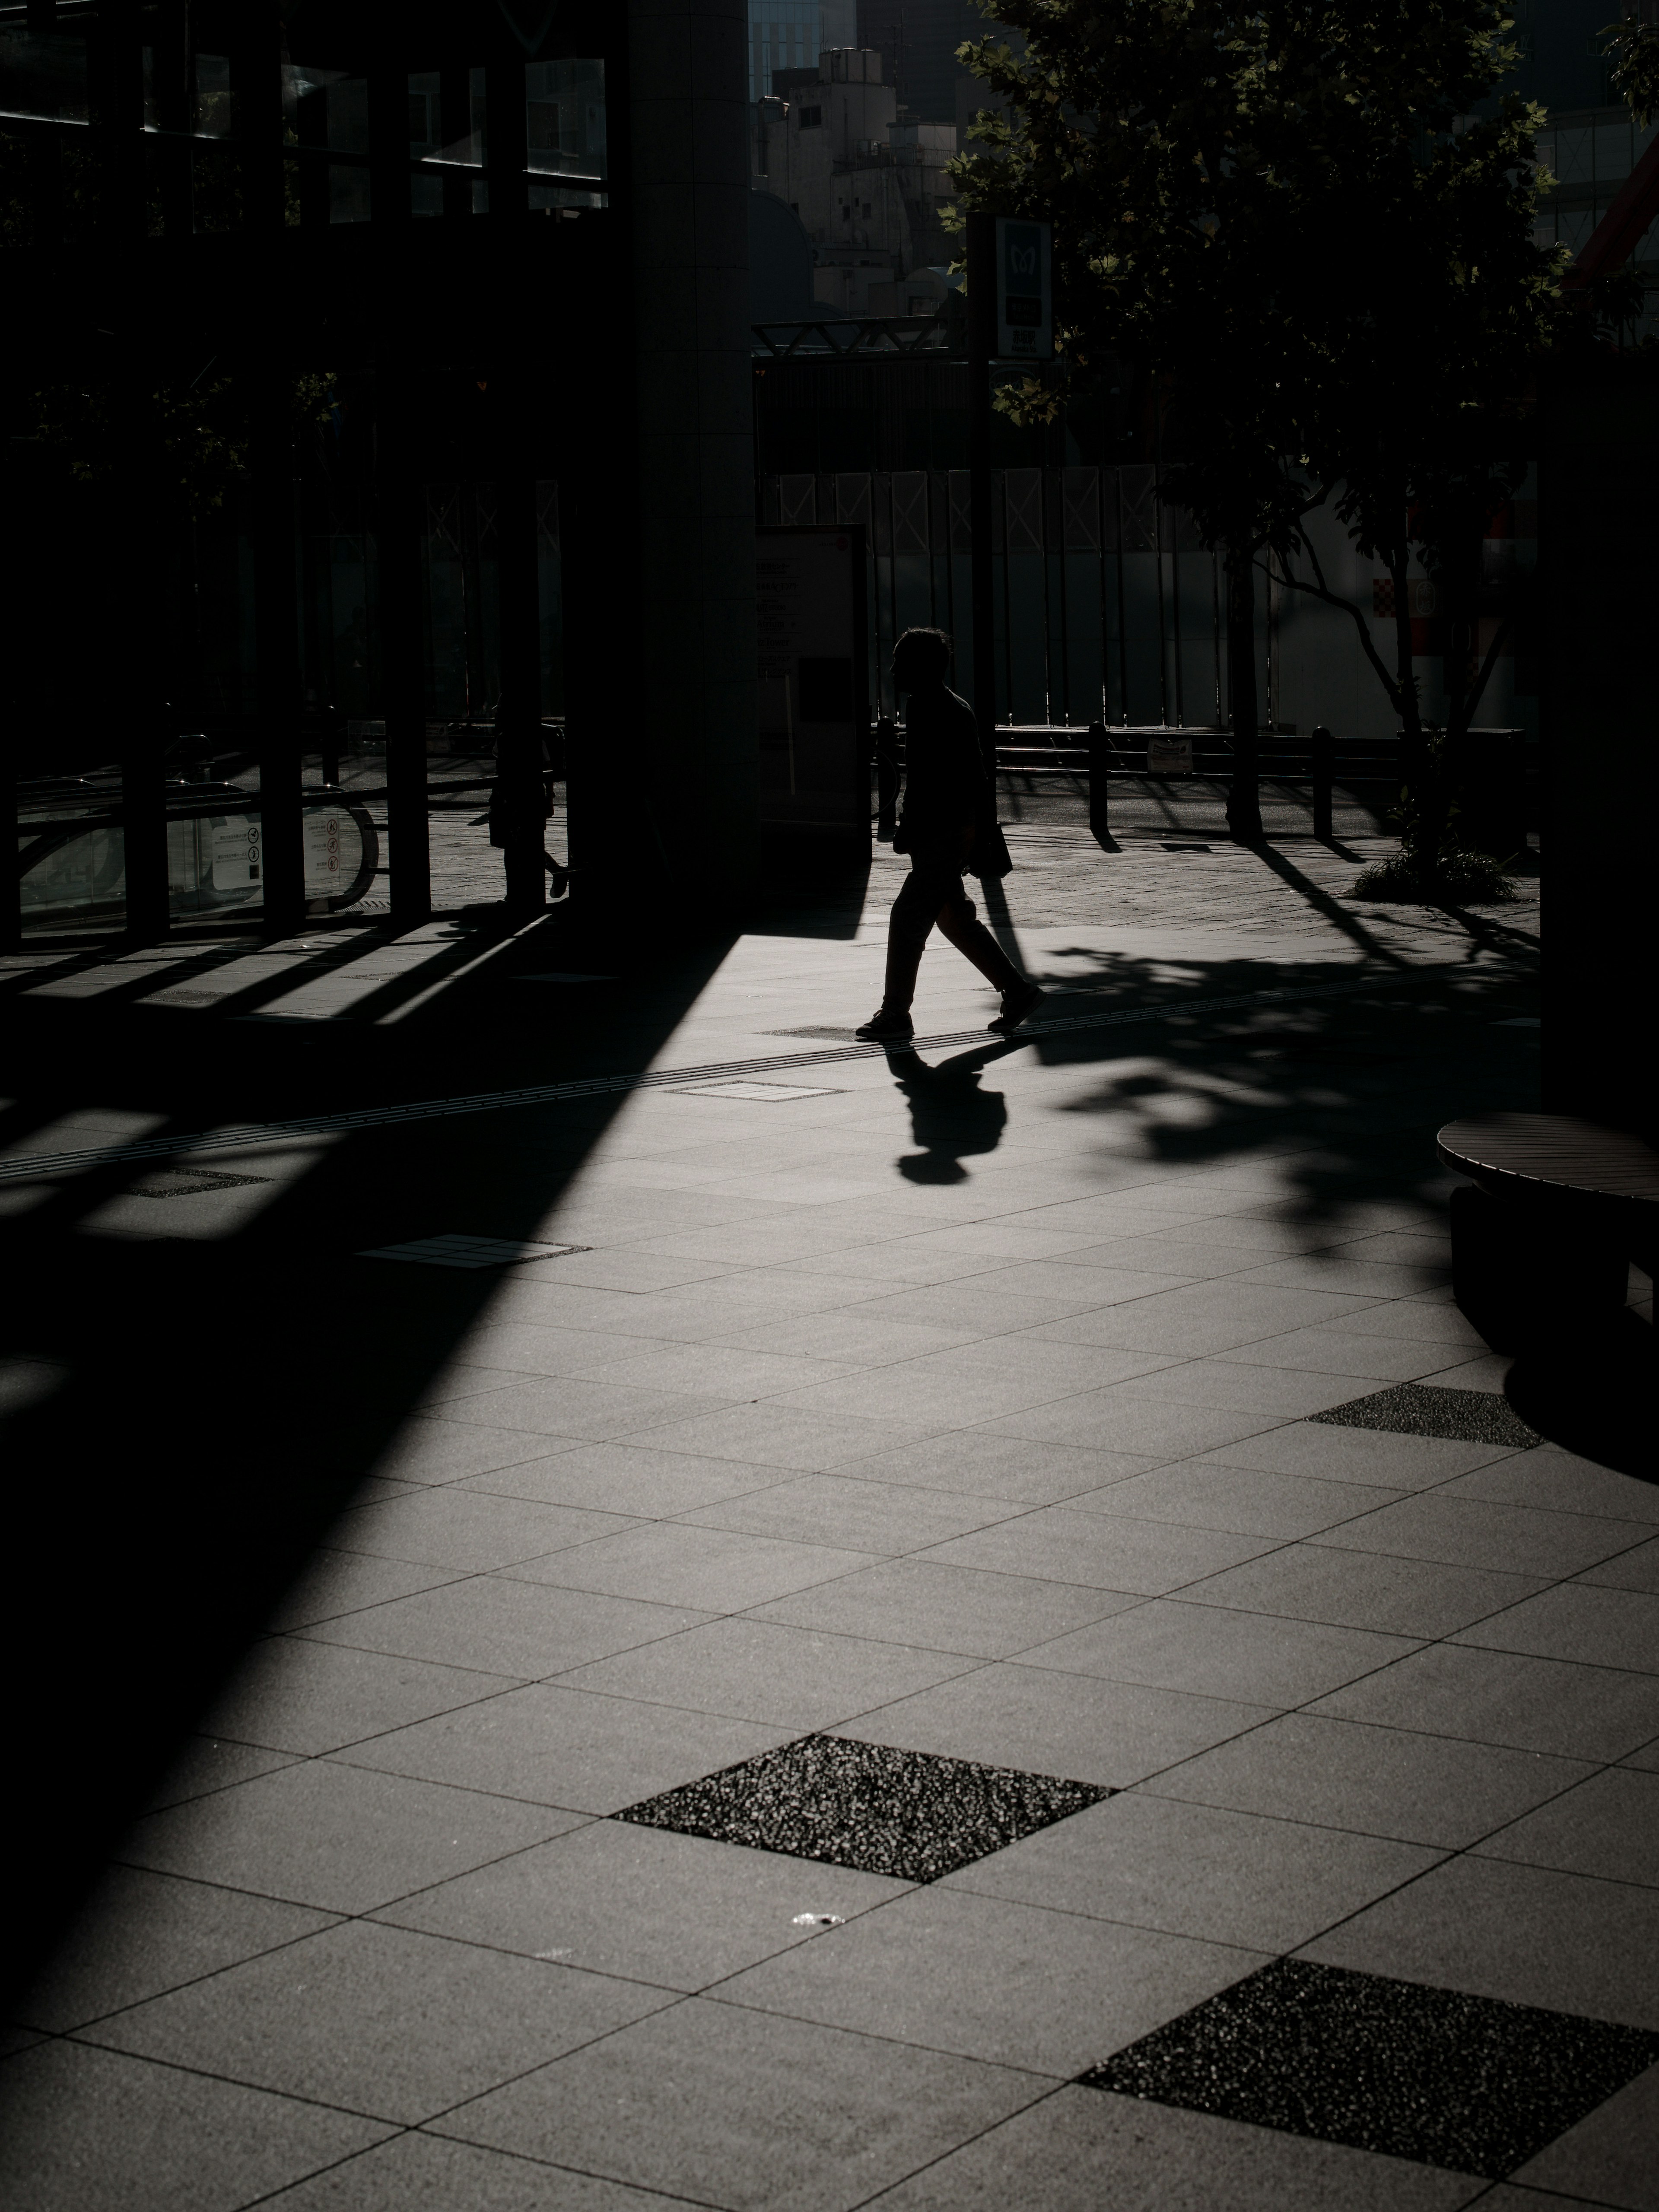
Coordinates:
[1324,776]
[1100,746]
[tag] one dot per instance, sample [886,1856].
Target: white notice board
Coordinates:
[814,686]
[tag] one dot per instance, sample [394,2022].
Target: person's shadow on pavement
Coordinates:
[949,1114]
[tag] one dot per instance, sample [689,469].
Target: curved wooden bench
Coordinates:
[1542,1244]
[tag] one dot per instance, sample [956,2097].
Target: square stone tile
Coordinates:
[1011,1984]
[1608,2155]
[784,1436]
[674,1910]
[1503,1697]
[421,2173]
[1363,1456]
[1608,1826]
[852,1336]
[1601,1627]
[468,1529]
[1216,1653]
[1379,1781]
[946,1609]
[1150,1428]
[141,1933]
[723,1370]
[388,2022]
[1636,1569]
[1331,1271]
[334,1837]
[974,1463]
[863,1514]
[1529,1935]
[89,2131]
[505,1626]
[1363,1589]
[1063,1724]
[1237,1386]
[874,1807]
[430,1447]
[1197,1870]
[760,1670]
[1476,1532]
[1164,2160]
[1560,1482]
[335,1582]
[741,2109]
[1248,1501]
[549,1744]
[562,1406]
[672,1563]
[294,1694]
[1203,1318]
[1346,2057]
[1112,1552]
[1343,1351]
[205,1764]
[624,1479]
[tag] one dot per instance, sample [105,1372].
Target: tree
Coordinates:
[1333,292]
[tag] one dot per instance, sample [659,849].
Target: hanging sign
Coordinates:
[1026,307]
[1169,756]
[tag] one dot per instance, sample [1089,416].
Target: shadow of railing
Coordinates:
[221,1401]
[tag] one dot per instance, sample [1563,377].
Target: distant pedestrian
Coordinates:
[948,824]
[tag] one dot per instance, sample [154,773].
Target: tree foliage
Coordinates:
[1311,225]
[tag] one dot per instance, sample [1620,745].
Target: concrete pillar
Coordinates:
[694,678]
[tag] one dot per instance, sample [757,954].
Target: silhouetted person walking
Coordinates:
[948,809]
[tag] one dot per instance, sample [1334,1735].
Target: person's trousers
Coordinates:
[934,892]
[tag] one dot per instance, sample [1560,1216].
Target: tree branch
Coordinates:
[1472,698]
[1322,591]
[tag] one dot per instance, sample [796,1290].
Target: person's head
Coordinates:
[920,657]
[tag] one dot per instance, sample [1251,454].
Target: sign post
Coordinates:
[1010,318]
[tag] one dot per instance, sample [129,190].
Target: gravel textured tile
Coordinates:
[870,1806]
[1432,2075]
[1422,1409]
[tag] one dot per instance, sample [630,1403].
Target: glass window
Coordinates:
[426,194]
[43,74]
[565,132]
[1613,151]
[328,110]
[1572,156]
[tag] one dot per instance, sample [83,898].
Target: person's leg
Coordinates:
[909,926]
[959,923]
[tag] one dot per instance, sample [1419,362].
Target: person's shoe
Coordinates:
[886,1028]
[1016,1006]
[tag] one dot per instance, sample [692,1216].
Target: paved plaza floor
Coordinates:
[625,1603]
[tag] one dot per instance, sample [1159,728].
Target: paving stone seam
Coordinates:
[29,1165]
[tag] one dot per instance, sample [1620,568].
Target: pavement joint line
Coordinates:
[84,1159]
